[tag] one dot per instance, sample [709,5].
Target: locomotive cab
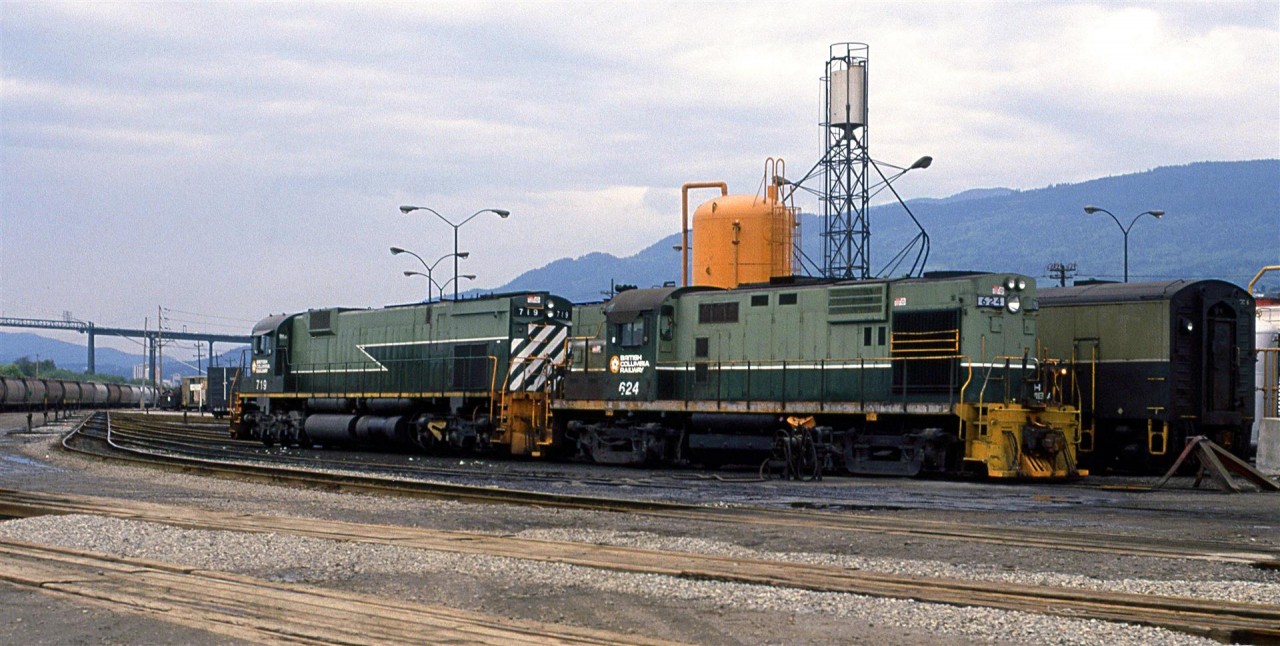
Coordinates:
[269,350]
[632,343]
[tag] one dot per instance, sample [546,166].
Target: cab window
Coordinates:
[631,334]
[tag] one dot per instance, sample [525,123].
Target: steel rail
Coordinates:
[1021,537]
[168,438]
[256,610]
[1217,619]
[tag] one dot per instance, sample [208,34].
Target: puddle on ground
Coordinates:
[25,462]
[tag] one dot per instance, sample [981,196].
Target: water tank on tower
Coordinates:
[740,239]
[847,97]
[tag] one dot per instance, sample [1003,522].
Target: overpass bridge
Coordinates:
[154,338]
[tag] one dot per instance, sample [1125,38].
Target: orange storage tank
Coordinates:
[741,239]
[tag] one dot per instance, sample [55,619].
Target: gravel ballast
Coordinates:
[323,562]
[659,606]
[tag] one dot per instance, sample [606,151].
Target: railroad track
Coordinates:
[1222,620]
[252,609]
[168,453]
[150,434]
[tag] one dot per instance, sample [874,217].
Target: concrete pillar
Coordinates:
[91,368]
[1269,445]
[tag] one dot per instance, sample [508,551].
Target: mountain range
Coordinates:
[1221,220]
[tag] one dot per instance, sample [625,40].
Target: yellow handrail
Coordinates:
[493,379]
[1258,276]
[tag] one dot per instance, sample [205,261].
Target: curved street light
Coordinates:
[502,213]
[454,280]
[395,251]
[1155,213]
[430,281]
[886,182]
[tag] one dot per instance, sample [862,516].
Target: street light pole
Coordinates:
[430,282]
[395,251]
[454,280]
[502,213]
[1155,213]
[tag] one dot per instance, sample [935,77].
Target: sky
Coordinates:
[226,161]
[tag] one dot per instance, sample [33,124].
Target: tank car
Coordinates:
[900,377]
[1157,363]
[13,392]
[29,393]
[37,392]
[55,393]
[71,394]
[465,375]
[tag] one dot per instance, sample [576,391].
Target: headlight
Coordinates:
[1014,303]
[1010,283]
[1022,284]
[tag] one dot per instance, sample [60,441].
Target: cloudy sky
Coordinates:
[230,160]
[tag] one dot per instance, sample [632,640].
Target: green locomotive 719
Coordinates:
[466,374]
[899,377]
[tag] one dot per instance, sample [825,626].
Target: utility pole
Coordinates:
[159,348]
[1061,271]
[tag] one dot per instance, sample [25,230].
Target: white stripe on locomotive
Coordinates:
[521,365]
[558,353]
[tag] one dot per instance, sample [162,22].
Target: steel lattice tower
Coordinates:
[845,164]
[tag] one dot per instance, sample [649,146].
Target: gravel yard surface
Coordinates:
[658,606]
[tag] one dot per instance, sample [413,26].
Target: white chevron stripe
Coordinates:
[516,365]
[558,352]
[536,367]
[520,366]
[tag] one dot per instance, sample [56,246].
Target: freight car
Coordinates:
[886,377]
[169,399]
[466,375]
[1157,363]
[192,391]
[29,393]
[220,382]
[894,377]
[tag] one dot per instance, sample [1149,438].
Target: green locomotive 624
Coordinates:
[938,374]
